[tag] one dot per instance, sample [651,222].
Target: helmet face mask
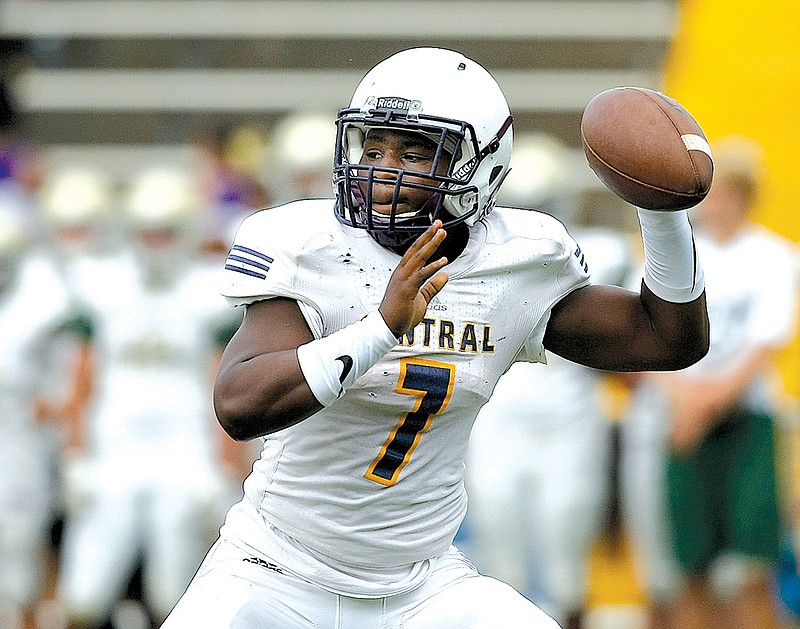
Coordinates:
[454,106]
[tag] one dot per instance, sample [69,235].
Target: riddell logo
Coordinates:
[394,102]
[462,173]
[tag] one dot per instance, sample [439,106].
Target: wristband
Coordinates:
[672,270]
[333,363]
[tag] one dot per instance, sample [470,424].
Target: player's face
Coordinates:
[158,238]
[404,150]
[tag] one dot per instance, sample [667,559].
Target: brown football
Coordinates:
[647,148]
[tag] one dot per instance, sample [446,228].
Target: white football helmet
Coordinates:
[446,97]
[76,196]
[162,197]
[539,171]
[162,210]
[304,145]
[78,204]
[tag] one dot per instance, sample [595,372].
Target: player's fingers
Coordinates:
[427,242]
[431,268]
[421,265]
[434,285]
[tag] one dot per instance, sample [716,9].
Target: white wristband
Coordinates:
[672,269]
[333,363]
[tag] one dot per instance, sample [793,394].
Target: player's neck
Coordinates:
[452,247]
[455,243]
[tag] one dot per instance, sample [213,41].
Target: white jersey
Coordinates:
[149,483]
[535,396]
[154,347]
[751,293]
[376,480]
[30,309]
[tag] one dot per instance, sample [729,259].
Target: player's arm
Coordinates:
[72,409]
[611,328]
[235,458]
[273,373]
[259,387]
[699,403]
[663,327]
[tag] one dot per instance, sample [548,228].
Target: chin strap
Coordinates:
[494,143]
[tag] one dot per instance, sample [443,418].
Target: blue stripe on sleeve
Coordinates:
[252,252]
[247,261]
[239,269]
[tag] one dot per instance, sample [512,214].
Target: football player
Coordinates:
[376,326]
[33,302]
[145,479]
[699,472]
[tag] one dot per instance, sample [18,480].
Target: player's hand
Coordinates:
[696,406]
[414,282]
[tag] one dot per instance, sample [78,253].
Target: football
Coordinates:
[647,148]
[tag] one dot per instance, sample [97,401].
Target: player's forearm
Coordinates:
[262,395]
[636,332]
[673,291]
[681,330]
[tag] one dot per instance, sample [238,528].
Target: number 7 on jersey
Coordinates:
[431,383]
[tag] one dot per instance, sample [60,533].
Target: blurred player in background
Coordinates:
[538,466]
[144,477]
[55,363]
[232,170]
[77,204]
[699,473]
[33,303]
[20,166]
[303,156]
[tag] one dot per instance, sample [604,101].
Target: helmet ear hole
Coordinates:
[495,173]
[470,199]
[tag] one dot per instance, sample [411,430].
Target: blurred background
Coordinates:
[232,102]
